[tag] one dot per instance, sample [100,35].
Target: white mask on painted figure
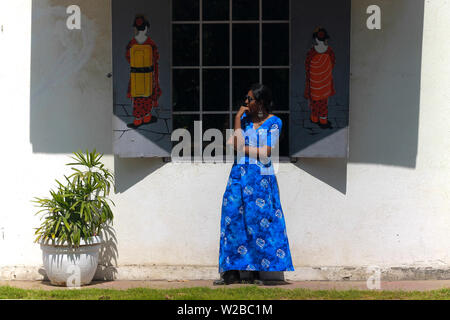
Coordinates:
[321,46]
[141,37]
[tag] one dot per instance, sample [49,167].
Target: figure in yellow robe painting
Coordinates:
[319,65]
[143,88]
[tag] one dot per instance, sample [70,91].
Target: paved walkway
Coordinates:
[313,285]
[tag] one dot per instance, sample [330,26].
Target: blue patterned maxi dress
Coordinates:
[253,230]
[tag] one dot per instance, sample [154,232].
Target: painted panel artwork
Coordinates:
[320,79]
[142,111]
[319,86]
[143,57]
[304,58]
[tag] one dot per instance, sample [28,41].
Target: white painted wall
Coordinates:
[377,209]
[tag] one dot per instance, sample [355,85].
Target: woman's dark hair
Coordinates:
[263,94]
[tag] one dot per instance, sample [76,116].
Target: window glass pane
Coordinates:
[185,10]
[186,48]
[216,90]
[185,122]
[216,49]
[220,122]
[278,81]
[216,9]
[186,93]
[245,9]
[284,135]
[216,121]
[276,44]
[246,44]
[242,80]
[275,10]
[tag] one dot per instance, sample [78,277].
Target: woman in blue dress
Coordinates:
[252,230]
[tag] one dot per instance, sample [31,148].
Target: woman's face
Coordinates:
[251,102]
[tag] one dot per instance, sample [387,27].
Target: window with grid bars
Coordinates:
[220,48]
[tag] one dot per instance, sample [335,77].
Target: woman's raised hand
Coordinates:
[242,110]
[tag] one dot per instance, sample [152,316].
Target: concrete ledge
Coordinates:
[171,273]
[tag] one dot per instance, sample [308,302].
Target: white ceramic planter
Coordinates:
[71,267]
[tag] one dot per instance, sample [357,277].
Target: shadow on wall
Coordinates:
[385,83]
[108,256]
[130,171]
[333,172]
[71,97]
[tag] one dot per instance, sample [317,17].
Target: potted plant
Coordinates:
[73,218]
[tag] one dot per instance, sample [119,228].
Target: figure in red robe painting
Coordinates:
[319,64]
[143,87]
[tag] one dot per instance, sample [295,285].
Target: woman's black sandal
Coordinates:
[255,278]
[228,277]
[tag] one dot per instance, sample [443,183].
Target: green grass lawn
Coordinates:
[199,293]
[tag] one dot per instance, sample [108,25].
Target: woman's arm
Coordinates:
[261,153]
[253,152]
[237,139]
